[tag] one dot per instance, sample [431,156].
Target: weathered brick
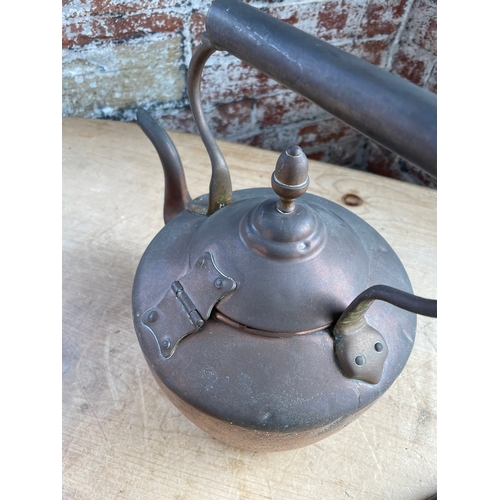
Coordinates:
[227,79]
[197,27]
[382,17]
[410,173]
[106,80]
[225,120]
[121,6]
[432,81]
[339,19]
[179,120]
[413,63]
[322,154]
[422,25]
[231,119]
[284,108]
[242,104]
[81,32]
[96,7]
[323,132]
[373,51]
[274,139]
[303,16]
[344,151]
[381,161]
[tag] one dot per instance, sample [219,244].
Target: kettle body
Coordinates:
[272,318]
[248,387]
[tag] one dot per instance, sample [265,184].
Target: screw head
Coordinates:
[360,360]
[166,343]
[379,347]
[218,283]
[152,316]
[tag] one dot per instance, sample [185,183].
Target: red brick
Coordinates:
[413,63]
[224,121]
[301,16]
[381,161]
[344,151]
[284,108]
[382,17]
[231,119]
[274,139]
[333,16]
[289,18]
[339,19]
[224,82]
[112,28]
[415,175]
[180,122]
[320,155]
[114,7]
[432,81]
[125,6]
[197,27]
[323,132]
[373,51]
[422,25]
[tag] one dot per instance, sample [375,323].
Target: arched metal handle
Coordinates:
[220,191]
[392,111]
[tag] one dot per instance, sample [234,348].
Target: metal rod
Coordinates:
[398,298]
[395,113]
[220,190]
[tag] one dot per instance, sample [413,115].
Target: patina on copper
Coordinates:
[271,318]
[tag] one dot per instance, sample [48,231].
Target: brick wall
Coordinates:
[122,54]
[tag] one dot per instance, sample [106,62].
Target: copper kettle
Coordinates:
[272,317]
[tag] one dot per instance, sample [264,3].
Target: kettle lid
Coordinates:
[296,261]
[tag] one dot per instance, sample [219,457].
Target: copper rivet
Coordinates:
[152,316]
[352,200]
[379,347]
[359,360]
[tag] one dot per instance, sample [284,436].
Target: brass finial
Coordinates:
[290,179]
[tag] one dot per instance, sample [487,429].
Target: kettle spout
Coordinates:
[176,192]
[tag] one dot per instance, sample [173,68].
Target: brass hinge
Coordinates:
[187,304]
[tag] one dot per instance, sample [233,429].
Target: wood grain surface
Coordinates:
[122,438]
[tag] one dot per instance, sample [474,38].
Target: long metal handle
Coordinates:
[384,107]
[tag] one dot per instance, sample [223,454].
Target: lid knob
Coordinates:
[290,179]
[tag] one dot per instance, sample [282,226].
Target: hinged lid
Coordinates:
[297,263]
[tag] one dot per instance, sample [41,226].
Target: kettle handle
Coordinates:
[220,191]
[404,300]
[385,107]
[360,349]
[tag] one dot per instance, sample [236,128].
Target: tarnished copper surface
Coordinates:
[242,386]
[250,347]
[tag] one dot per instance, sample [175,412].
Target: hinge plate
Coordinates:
[187,304]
